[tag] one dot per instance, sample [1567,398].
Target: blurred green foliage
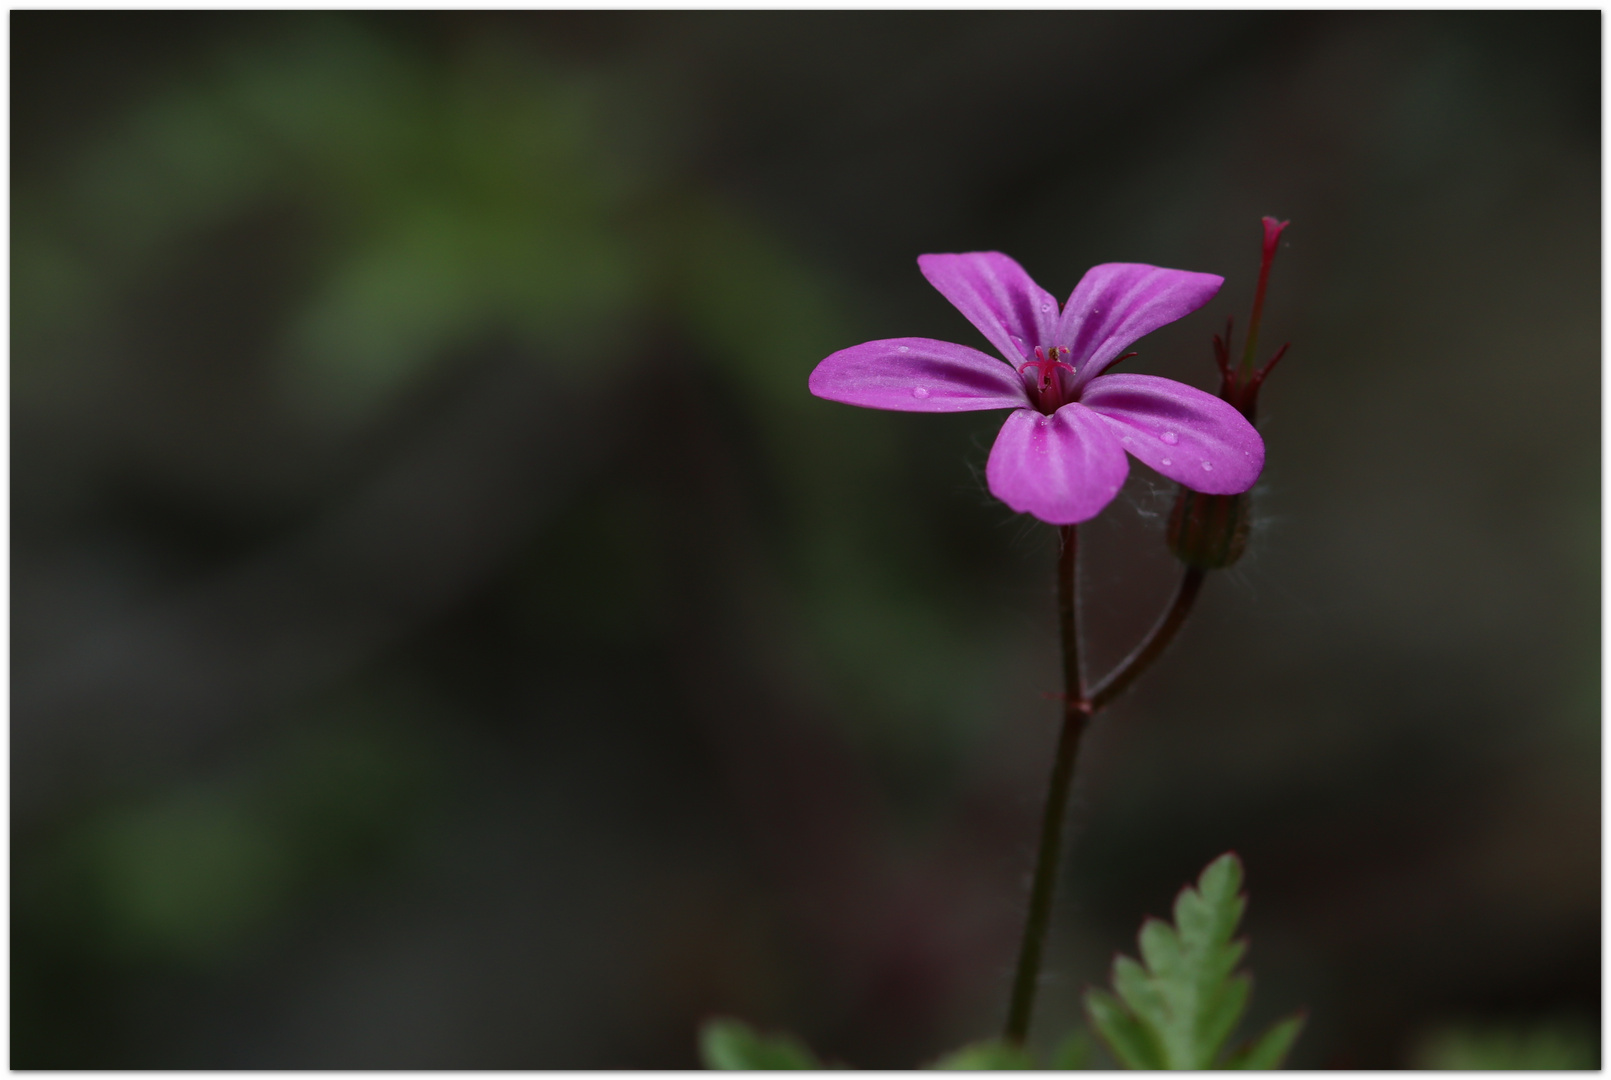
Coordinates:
[480,197]
[1074,1052]
[436,204]
[1555,1044]
[447,202]
[198,873]
[732,1044]
[416,204]
[988,1055]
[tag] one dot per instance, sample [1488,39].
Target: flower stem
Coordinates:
[1076,712]
[1158,639]
[1078,708]
[1068,613]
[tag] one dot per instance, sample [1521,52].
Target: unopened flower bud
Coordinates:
[1209,532]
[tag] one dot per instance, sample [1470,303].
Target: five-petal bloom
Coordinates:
[1061,455]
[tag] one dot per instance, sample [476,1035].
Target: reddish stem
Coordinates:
[1272,238]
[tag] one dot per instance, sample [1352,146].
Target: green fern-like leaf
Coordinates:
[1177,1008]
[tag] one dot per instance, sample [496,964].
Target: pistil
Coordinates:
[1048,390]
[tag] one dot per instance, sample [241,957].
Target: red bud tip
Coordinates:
[1272,235]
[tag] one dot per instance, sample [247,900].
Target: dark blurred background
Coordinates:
[445,632]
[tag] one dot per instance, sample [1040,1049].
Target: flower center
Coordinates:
[1048,388]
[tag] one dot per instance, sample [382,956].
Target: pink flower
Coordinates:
[1061,454]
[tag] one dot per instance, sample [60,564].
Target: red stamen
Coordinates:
[1048,393]
[1046,367]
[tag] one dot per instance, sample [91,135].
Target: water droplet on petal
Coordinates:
[1044,306]
[1208,467]
[1126,440]
[903,348]
[1170,437]
[920,391]
[1166,461]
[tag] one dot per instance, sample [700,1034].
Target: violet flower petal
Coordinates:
[998,297]
[918,375]
[1189,436]
[1062,468]
[1116,303]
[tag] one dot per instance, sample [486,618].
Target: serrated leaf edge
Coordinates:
[1131,1042]
[1270,1049]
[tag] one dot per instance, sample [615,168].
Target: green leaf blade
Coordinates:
[1131,1041]
[1160,946]
[1219,1018]
[1269,1050]
[733,1044]
[989,1054]
[1072,1053]
[1140,993]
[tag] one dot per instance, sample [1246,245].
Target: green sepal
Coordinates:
[1269,1050]
[732,1044]
[989,1054]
